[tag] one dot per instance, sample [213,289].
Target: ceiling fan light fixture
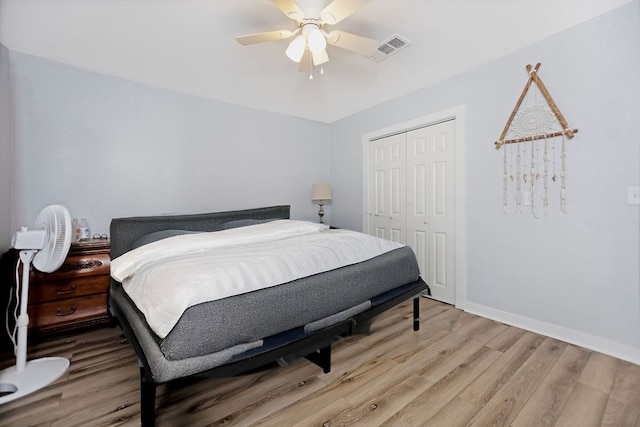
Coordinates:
[296,49]
[320,58]
[317,42]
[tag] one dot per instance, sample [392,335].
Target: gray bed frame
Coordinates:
[155,369]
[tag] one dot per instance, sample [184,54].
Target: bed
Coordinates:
[288,316]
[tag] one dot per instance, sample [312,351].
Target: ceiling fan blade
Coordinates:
[320,57]
[352,42]
[337,10]
[289,8]
[265,37]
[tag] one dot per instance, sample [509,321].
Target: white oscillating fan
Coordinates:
[45,246]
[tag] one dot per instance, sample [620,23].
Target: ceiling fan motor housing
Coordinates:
[28,239]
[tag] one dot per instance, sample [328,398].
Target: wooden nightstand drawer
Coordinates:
[59,289]
[77,266]
[67,312]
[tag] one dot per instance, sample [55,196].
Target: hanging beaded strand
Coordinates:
[511,150]
[554,178]
[518,185]
[545,177]
[511,181]
[504,183]
[531,176]
[563,186]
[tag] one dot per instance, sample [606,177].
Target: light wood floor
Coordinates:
[458,370]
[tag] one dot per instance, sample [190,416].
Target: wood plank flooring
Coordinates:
[458,370]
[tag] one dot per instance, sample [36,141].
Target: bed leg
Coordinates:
[325,357]
[147,401]
[321,358]
[416,314]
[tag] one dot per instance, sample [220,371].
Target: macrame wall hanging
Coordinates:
[533,159]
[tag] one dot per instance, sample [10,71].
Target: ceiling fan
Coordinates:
[308,48]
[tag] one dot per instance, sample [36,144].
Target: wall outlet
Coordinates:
[633,195]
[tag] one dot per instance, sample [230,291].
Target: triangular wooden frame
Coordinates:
[533,77]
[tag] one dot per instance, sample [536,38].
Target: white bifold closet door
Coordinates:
[388,189]
[412,199]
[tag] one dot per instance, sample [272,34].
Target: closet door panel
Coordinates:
[387,188]
[431,207]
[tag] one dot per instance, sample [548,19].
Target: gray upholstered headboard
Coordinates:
[125,231]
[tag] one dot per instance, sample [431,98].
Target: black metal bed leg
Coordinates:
[416,314]
[322,358]
[325,354]
[147,401]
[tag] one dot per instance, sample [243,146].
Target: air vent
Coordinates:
[390,46]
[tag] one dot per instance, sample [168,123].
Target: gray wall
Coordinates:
[106,147]
[5,150]
[574,275]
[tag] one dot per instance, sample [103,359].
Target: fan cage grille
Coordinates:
[56,221]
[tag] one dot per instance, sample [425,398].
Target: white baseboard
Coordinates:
[592,342]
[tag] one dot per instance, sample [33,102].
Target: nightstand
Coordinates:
[72,297]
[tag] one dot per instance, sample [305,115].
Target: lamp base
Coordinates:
[321,212]
[36,375]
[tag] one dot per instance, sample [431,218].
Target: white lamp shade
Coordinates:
[320,58]
[317,42]
[296,49]
[320,191]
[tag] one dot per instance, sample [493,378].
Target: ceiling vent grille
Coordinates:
[390,46]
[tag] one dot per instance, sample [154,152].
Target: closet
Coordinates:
[411,199]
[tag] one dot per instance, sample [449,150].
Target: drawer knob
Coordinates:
[61,313]
[61,291]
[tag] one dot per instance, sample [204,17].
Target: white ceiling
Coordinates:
[189,46]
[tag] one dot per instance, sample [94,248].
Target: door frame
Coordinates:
[459,114]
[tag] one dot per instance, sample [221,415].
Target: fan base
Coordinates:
[36,375]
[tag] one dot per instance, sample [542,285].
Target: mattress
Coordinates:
[168,276]
[314,302]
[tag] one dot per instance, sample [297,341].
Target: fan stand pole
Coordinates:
[23,319]
[27,377]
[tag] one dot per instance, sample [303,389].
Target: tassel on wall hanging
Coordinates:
[533,161]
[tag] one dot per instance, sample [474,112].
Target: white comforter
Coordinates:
[166,277]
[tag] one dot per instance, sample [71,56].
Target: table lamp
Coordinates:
[321,192]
